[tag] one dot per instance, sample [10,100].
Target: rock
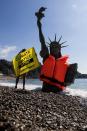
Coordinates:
[35,111]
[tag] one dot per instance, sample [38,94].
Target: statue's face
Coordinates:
[55,49]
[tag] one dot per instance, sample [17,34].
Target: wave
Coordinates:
[36,84]
[76,92]
[27,87]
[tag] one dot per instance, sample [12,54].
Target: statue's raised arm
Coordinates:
[44,49]
[56,73]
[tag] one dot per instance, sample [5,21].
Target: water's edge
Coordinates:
[79,88]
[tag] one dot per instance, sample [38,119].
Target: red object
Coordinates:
[54,70]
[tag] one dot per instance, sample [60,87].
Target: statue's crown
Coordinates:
[56,43]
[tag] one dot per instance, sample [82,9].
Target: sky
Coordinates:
[18,27]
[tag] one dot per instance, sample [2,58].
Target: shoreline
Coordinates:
[32,84]
[35,110]
[7,77]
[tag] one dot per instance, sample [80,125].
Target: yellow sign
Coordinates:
[25,62]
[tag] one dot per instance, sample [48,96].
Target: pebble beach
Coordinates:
[23,110]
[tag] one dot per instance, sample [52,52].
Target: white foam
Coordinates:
[7,84]
[35,85]
[20,85]
[76,92]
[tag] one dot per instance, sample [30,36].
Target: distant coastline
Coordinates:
[81,76]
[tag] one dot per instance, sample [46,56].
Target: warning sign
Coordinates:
[25,61]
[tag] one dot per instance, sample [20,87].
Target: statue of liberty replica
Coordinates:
[55,73]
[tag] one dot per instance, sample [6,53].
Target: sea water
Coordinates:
[79,88]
